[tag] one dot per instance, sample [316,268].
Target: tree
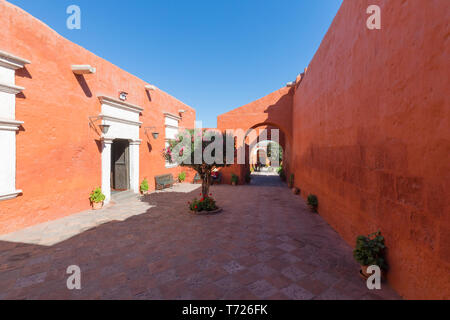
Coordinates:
[275,152]
[203,150]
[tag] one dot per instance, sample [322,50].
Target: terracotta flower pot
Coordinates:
[145,192]
[233,183]
[365,275]
[295,190]
[97,205]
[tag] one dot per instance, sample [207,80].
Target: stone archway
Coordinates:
[273,111]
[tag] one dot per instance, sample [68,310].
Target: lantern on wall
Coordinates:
[155,133]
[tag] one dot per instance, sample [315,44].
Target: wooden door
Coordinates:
[120,165]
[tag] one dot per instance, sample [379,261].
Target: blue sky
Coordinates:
[213,55]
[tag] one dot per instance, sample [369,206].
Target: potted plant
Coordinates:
[313,202]
[369,251]
[206,205]
[281,173]
[97,199]
[234,179]
[248,177]
[291,181]
[182,177]
[144,186]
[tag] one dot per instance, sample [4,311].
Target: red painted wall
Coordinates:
[58,159]
[370,135]
[371,129]
[273,111]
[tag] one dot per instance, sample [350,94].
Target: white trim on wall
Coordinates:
[8,124]
[10,61]
[10,88]
[171,129]
[123,118]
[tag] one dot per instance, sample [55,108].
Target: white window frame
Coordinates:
[170,118]
[9,126]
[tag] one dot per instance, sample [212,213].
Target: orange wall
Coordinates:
[273,111]
[58,158]
[370,135]
[371,129]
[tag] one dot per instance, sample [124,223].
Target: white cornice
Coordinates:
[136,142]
[11,61]
[120,104]
[172,116]
[9,195]
[150,87]
[114,119]
[83,69]
[10,88]
[10,125]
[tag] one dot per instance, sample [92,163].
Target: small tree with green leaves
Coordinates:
[190,146]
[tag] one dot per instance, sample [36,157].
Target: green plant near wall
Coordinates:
[281,173]
[291,180]
[234,178]
[370,250]
[313,202]
[248,177]
[182,176]
[144,185]
[97,196]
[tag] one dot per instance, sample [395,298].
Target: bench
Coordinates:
[164,181]
[197,178]
[217,180]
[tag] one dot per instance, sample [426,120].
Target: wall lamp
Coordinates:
[155,133]
[103,127]
[123,95]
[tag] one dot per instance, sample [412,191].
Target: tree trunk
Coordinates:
[206,182]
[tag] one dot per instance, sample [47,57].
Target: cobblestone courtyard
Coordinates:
[265,245]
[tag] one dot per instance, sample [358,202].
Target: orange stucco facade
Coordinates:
[366,129]
[370,135]
[58,153]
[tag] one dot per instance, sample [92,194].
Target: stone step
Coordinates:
[125,195]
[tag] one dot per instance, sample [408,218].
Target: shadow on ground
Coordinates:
[265,245]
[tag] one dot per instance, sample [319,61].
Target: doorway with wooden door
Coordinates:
[120,165]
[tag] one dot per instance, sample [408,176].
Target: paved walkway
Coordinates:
[265,245]
[53,232]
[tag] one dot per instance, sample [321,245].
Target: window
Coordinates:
[171,131]
[9,126]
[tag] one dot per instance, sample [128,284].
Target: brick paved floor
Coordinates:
[265,245]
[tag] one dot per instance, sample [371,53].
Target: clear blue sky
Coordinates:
[213,55]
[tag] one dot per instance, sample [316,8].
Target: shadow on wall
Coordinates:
[83,84]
